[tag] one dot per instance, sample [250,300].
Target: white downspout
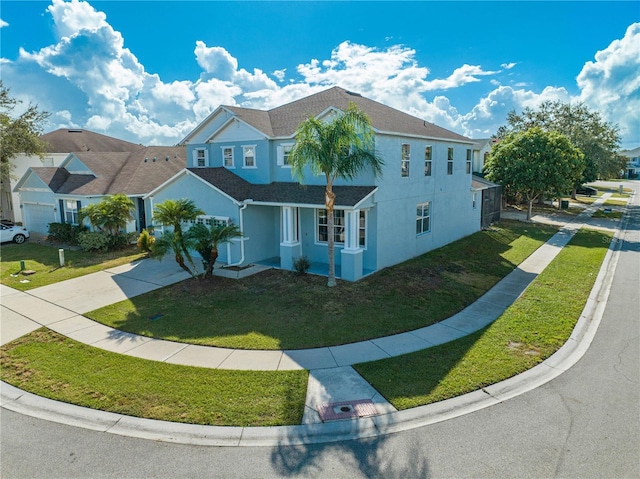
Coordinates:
[242,239]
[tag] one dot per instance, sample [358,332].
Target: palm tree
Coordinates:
[110,215]
[341,148]
[208,240]
[174,213]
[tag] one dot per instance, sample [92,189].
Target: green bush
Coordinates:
[65,233]
[94,241]
[302,265]
[145,241]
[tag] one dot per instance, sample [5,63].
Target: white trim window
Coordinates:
[405,160]
[209,220]
[284,153]
[323,226]
[249,156]
[449,161]
[423,218]
[468,161]
[362,229]
[71,208]
[428,156]
[200,157]
[227,156]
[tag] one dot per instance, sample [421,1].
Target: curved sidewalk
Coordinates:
[23,312]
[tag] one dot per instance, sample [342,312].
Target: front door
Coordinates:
[142,217]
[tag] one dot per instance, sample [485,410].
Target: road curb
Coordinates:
[569,354]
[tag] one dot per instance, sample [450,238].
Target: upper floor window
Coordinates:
[423,218]
[449,161]
[428,152]
[468,161]
[404,162]
[210,221]
[284,154]
[249,156]
[201,157]
[227,156]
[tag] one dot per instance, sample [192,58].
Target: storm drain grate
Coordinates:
[347,409]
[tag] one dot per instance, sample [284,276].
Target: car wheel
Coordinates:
[19,239]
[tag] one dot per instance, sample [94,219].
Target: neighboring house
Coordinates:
[50,194]
[633,163]
[238,171]
[59,144]
[481,150]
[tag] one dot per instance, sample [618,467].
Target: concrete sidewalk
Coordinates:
[332,380]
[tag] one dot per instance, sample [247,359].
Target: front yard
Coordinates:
[281,310]
[45,262]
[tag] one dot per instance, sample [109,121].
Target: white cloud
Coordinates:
[611,83]
[89,79]
[3,23]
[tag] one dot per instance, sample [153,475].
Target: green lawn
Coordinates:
[529,331]
[600,213]
[281,310]
[44,260]
[56,367]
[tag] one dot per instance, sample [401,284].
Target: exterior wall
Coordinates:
[262,233]
[21,164]
[452,215]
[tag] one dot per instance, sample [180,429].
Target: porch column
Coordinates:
[351,254]
[290,247]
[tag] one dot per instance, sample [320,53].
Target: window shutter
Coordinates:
[280,156]
[206,157]
[194,154]
[78,205]
[61,208]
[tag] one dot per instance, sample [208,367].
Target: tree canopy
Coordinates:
[340,148]
[20,134]
[598,140]
[533,162]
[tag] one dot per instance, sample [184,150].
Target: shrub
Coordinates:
[302,265]
[94,241]
[145,241]
[65,233]
[121,241]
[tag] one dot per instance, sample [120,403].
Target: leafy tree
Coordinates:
[20,135]
[598,140]
[208,240]
[173,213]
[110,215]
[531,163]
[340,148]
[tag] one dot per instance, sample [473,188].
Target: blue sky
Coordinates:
[150,71]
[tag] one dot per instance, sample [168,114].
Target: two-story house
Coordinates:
[238,171]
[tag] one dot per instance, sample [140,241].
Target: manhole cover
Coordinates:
[347,409]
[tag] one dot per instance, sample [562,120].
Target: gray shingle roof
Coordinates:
[284,120]
[115,172]
[279,192]
[67,140]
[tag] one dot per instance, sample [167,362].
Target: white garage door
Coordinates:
[38,217]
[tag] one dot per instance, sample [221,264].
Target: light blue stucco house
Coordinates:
[238,171]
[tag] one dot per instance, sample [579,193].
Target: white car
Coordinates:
[17,234]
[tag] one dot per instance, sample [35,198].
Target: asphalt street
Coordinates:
[584,423]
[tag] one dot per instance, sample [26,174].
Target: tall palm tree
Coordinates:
[174,213]
[208,240]
[340,148]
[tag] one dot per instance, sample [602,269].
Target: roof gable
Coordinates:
[283,121]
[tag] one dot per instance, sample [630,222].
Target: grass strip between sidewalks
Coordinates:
[529,331]
[56,367]
[44,260]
